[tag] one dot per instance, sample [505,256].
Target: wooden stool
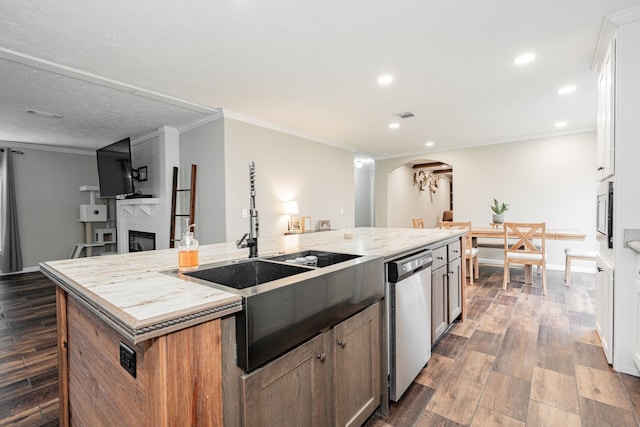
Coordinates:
[575,254]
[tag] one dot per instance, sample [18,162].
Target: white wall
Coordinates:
[405,201]
[318,176]
[550,179]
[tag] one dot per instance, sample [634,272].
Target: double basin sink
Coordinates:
[242,274]
[285,304]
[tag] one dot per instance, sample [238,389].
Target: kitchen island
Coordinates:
[135,342]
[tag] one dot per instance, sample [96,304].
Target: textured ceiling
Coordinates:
[310,67]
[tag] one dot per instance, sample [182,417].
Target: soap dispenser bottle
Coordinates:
[188,249]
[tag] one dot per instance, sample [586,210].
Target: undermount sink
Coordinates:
[324,258]
[245,274]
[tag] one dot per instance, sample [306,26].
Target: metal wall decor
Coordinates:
[422,180]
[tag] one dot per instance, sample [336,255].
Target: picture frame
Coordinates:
[324,224]
[306,223]
[142,174]
[295,225]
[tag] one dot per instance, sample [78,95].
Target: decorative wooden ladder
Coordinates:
[174,200]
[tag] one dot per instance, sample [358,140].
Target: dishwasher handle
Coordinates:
[401,269]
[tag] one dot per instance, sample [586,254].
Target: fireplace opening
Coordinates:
[141,241]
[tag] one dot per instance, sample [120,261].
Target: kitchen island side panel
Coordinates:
[178,375]
[97,384]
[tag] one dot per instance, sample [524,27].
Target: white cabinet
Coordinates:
[606,102]
[636,347]
[618,53]
[604,307]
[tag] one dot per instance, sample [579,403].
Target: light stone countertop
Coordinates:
[131,293]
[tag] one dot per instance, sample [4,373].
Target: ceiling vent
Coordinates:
[44,114]
[405,115]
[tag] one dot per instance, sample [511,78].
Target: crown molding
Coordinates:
[523,138]
[608,29]
[200,122]
[50,148]
[625,16]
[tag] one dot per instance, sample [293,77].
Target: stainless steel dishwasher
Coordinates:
[409,319]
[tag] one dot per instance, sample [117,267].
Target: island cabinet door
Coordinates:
[454,289]
[293,390]
[356,367]
[438,303]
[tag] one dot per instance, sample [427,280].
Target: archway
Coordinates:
[421,188]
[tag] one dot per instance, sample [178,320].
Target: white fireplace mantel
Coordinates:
[142,214]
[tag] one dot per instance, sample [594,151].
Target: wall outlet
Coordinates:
[245,213]
[128,359]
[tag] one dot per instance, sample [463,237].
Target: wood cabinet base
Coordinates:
[178,376]
[333,379]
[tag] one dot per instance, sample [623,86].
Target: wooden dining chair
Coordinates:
[417,223]
[519,248]
[471,253]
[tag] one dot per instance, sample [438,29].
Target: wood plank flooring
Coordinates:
[28,351]
[520,359]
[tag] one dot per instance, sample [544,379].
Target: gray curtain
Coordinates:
[10,254]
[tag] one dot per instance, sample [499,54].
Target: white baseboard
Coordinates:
[24,270]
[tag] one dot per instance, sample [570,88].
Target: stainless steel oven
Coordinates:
[604,219]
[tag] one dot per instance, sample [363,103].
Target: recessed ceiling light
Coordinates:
[560,124]
[385,80]
[525,58]
[566,90]
[394,125]
[429,144]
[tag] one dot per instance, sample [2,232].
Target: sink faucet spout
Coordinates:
[250,239]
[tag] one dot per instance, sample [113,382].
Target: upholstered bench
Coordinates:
[571,254]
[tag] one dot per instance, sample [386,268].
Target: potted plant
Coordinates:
[498,211]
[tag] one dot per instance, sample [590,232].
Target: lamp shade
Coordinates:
[291,208]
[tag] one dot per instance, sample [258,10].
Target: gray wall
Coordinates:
[288,167]
[204,146]
[47,186]
[364,196]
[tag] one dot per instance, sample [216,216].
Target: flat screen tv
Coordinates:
[115,175]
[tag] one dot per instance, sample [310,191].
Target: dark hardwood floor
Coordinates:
[519,359]
[28,351]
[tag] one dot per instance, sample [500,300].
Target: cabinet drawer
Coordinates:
[454,250]
[439,257]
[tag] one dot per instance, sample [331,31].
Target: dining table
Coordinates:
[550,233]
[497,232]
